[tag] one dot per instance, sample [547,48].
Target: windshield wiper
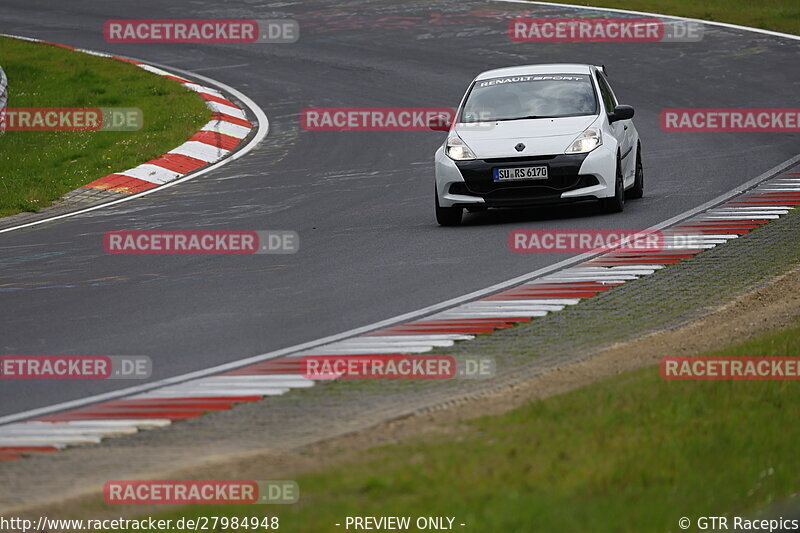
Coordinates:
[527,117]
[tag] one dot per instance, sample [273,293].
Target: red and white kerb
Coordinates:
[226,130]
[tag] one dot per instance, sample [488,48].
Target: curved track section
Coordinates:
[220,140]
[360,201]
[770,197]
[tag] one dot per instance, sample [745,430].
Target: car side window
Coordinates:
[609,99]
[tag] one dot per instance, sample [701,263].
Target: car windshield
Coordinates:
[530,96]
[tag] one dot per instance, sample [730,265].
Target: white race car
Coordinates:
[535,135]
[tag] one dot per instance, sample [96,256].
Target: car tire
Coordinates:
[616,203]
[637,191]
[448,216]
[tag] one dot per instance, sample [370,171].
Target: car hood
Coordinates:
[541,136]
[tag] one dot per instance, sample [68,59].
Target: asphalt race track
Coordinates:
[362,202]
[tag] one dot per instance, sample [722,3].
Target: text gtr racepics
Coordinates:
[534,135]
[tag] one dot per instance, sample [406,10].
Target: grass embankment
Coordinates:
[775,15]
[630,454]
[36,168]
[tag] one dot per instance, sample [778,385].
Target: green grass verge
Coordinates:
[36,168]
[775,15]
[630,454]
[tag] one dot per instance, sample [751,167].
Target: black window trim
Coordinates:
[460,110]
[602,82]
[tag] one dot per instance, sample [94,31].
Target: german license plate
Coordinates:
[520,173]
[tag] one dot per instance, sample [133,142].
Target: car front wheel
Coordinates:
[447,216]
[616,203]
[637,191]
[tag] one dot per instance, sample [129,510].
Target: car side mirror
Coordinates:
[621,112]
[439,123]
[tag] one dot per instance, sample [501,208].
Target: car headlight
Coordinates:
[457,149]
[586,142]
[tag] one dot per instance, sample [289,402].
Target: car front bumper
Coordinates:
[571,177]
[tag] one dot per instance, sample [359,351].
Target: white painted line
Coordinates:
[222,390]
[385,347]
[364,351]
[234,378]
[503,304]
[92,52]
[24,443]
[32,440]
[489,314]
[752,214]
[151,173]
[547,285]
[98,423]
[203,89]
[253,390]
[226,128]
[569,285]
[750,208]
[615,279]
[226,109]
[693,243]
[390,339]
[515,308]
[614,269]
[633,260]
[628,271]
[568,275]
[31,39]
[545,301]
[693,246]
[721,218]
[597,273]
[435,337]
[202,151]
[42,431]
[770,210]
[156,70]
[257,380]
[141,423]
[44,427]
[703,236]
